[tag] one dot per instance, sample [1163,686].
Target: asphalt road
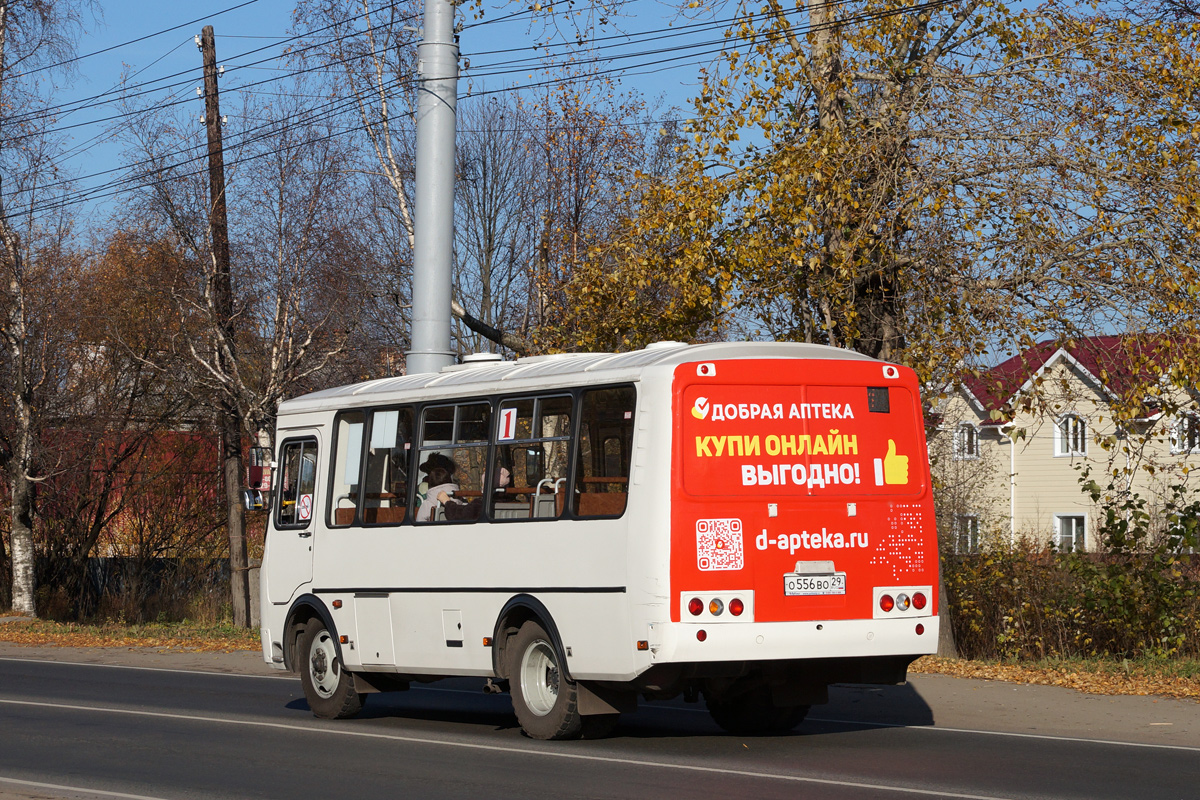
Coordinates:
[133,724]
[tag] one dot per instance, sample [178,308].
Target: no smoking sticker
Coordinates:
[304,507]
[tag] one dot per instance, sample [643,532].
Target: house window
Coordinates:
[1070,436]
[1185,435]
[966,441]
[966,533]
[1070,532]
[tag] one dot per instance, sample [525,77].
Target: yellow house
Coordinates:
[1010,445]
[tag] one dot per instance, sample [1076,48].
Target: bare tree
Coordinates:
[372,50]
[34,36]
[496,231]
[290,231]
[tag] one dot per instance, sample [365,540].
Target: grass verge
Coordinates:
[183,636]
[1165,677]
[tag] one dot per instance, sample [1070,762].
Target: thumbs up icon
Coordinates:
[895,468]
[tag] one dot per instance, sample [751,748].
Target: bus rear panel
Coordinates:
[802,523]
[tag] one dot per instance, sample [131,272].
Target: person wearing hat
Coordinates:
[439,472]
[469,509]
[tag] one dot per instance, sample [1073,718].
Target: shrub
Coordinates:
[1138,596]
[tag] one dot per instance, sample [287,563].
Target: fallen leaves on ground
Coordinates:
[1093,678]
[182,638]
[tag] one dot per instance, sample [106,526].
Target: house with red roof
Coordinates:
[1012,443]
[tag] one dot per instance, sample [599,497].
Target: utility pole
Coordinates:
[433,211]
[229,418]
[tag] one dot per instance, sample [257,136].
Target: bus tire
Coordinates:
[328,688]
[754,714]
[545,702]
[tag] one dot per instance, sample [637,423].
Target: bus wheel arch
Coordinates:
[306,608]
[516,612]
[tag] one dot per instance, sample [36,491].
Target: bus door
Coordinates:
[290,541]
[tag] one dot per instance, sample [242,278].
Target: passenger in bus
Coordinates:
[439,471]
[456,508]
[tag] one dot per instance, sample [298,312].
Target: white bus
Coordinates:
[747,522]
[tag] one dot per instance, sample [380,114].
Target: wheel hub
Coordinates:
[322,666]
[539,678]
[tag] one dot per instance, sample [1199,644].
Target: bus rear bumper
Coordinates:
[687,642]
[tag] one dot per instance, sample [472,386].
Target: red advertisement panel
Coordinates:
[806,481]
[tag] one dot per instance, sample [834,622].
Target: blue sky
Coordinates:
[663,62]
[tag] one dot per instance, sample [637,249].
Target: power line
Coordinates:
[73,105]
[518,65]
[118,186]
[659,34]
[125,114]
[135,41]
[268,130]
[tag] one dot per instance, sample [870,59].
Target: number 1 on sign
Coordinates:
[508,423]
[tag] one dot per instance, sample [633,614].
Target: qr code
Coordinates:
[719,544]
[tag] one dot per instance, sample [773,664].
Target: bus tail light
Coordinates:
[701,635]
[716,605]
[902,601]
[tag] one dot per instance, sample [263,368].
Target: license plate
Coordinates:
[796,585]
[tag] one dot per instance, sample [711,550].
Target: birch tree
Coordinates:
[35,35]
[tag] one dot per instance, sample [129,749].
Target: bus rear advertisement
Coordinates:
[745,523]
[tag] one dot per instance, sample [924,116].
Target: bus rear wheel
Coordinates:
[545,701]
[754,713]
[328,688]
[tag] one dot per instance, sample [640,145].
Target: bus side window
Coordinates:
[519,456]
[385,484]
[533,448]
[605,443]
[297,484]
[346,481]
[452,455]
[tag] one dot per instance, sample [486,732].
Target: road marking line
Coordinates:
[513,750]
[928,728]
[286,676]
[1012,734]
[84,789]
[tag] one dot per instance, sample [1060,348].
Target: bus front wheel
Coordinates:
[545,701]
[328,688]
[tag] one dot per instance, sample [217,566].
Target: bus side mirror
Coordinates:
[258,469]
[252,500]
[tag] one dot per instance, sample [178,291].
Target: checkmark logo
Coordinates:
[700,410]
